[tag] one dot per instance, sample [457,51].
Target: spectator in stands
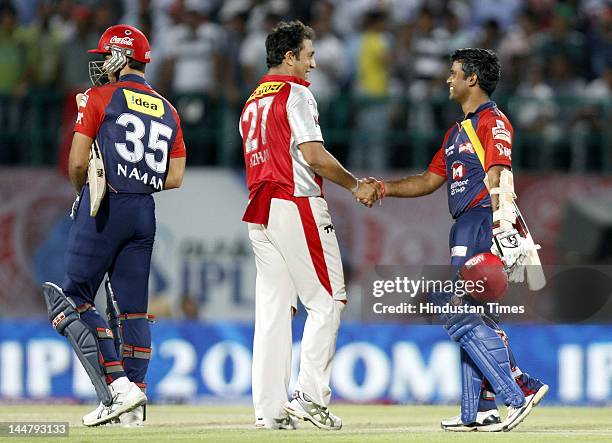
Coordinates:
[430,45]
[43,55]
[106,13]
[519,40]
[74,56]
[535,115]
[562,39]
[430,49]
[217,47]
[14,74]
[502,11]
[373,74]
[192,67]
[403,56]
[61,19]
[75,77]
[234,16]
[600,89]
[193,63]
[459,36]
[253,50]
[563,137]
[14,82]
[490,35]
[600,40]
[329,76]
[45,43]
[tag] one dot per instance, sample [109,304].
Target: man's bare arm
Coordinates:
[414,185]
[78,160]
[323,163]
[176,171]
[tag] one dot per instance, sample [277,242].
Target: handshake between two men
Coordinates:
[368,191]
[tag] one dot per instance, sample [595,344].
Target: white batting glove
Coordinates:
[513,249]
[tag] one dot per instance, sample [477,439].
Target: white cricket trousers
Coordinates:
[296,254]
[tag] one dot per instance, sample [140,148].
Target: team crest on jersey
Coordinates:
[266,89]
[458,170]
[466,147]
[143,103]
[500,132]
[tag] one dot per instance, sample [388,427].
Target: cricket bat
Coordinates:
[96,176]
[534,272]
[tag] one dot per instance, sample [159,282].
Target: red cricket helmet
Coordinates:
[488,276]
[132,41]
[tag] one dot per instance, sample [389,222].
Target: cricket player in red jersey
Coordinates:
[475,163]
[295,246]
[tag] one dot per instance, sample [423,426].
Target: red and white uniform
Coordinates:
[295,245]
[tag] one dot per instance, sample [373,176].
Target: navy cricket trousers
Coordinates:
[119,240]
[471,234]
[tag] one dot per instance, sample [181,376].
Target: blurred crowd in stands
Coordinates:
[390,57]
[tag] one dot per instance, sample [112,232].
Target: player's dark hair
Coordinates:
[482,62]
[135,64]
[286,37]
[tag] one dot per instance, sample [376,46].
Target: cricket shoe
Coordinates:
[302,407]
[123,402]
[483,420]
[517,415]
[287,423]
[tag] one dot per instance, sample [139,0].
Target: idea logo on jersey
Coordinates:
[459,171]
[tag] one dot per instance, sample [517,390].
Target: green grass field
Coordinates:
[361,423]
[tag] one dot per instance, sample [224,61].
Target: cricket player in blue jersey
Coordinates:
[136,133]
[473,156]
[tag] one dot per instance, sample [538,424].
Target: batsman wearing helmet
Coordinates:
[131,138]
[475,163]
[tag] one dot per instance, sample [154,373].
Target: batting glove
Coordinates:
[513,249]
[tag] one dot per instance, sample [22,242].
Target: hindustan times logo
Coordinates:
[412,287]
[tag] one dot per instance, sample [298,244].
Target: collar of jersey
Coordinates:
[482,107]
[132,78]
[284,78]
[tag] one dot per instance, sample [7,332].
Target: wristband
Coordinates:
[356,188]
[383,191]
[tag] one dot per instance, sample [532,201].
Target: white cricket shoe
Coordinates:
[287,423]
[302,407]
[483,420]
[517,415]
[124,401]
